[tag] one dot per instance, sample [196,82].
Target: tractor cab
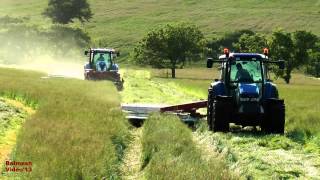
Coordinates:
[244,93]
[102,60]
[101,66]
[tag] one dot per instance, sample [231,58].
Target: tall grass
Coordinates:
[77,132]
[170,153]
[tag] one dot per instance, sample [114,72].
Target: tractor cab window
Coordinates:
[245,70]
[102,61]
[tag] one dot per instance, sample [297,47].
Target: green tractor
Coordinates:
[245,95]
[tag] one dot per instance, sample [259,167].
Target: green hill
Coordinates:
[122,23]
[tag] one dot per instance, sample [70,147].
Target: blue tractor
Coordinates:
[244,94]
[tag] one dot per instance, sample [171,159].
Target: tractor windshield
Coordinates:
[104,57]
[246,71]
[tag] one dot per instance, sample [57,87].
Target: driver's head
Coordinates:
[239,66]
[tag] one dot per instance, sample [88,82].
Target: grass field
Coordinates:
[121,23]
[77,132]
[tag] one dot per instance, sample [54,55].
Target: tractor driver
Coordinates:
[100,58]
[101,64]
[242,74]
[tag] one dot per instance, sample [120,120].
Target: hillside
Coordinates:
[122,23]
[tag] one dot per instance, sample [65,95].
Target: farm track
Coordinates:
[131,166]
[248,154]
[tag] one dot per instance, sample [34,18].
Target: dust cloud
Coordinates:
[56,50]
[52,67]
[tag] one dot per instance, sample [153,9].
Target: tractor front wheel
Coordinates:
[221,114]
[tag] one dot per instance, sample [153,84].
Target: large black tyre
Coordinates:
[209,109]
[274,121]
[221,114]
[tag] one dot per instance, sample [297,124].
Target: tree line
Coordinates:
[171,46]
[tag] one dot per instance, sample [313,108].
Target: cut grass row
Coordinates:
[11,119]
[169,152]
[77,132]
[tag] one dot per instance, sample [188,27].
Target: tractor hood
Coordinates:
[248,90]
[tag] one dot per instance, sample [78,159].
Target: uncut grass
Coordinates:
[77,132]
[169,152]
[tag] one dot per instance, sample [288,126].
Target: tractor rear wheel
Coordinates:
[274,122]
[221,114]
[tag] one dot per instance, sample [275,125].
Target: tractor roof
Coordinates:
[244,55]
[103,50]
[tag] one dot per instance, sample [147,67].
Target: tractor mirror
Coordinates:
[209,63]
[281,64]
[86,53]
[118,53]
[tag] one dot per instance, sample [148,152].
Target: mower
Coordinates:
[244,94]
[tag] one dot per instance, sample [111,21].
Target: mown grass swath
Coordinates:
[169,152]
[77,132]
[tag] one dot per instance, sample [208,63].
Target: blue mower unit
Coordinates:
[244,94]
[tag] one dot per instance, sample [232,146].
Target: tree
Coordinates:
[170,47]
[228,40]
[65,11]
[313,67]
[294,48]
[251,43]
[281,48]
[304,43]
